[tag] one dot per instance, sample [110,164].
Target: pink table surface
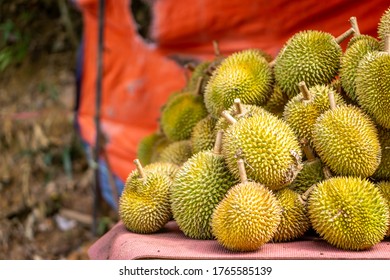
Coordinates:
[171,243]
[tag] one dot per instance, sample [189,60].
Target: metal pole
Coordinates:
[99,88]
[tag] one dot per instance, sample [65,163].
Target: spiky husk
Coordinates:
[158,147]
[199,72]
[269,148]
[276,102]
[301,114]
[311,173]
[166,168]
[384,188]
[245,75]
[145,147]
[249,111]
[181,114]
[294,220]
[177,152]
[384,27]
[347,141]
[203,134]
[144,205]
[383,170]
[311,56]
[350,61]
[246,218]
[373,86]
[348,212]
[199,186]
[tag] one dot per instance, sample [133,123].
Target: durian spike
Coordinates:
[345,35]
[217,51]
[354,25]
[305,91]
[228,117]
[140,169]
[308,150]
[332,101]
[198,90]
[218,143]
[387,43]
[241,170]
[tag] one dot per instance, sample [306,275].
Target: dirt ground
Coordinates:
[46,197]
[45,181]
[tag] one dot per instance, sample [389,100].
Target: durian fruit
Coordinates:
[350,61]
[347,141]
[238,111]
[203,135]
[177,152]
[311,173]
[166,168]
[146,146]
[180,114]
[247,217]
[294,220]
[144,205]
[276,102]
[384,188]
[158,147]
[373,86]
[302,111]
[311,56]
[384,27]
[348,212]
[383,170]
[267,145]
[199,186]
[245,75]
[199,78]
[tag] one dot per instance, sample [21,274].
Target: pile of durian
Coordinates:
[258,149]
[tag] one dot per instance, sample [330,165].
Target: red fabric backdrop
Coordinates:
[139,76]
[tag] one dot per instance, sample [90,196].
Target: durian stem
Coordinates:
[210,70]
[354,25]
[241,170]
[217,51]
[272,63]
[327,172]
[239,108]
[387,43]
[308,150]
[190,66]
[198,90]
[218,143]
[345,35]
[306,194]
[332,101]
[140,169]
[305,91]
[228,117]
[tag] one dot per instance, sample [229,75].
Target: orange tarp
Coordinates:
[138,76]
